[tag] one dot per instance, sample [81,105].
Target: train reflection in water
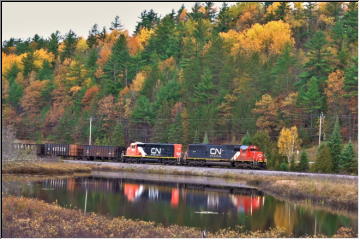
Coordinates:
[217,200]
[181,202]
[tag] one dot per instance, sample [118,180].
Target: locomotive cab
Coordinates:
[134,150]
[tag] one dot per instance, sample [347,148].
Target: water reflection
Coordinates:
[201,206]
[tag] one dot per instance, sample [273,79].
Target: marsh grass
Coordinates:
[26,217]
[44,168]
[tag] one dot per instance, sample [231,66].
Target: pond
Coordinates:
[174,201]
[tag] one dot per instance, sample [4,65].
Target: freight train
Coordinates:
[239,156]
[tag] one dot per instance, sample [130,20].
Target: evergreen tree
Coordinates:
[350,22]
[281,71]
[284,166]
[143,111]
[116,25]
[206,138]
[282,11]
[312,99]
[91,64]
[304,162]
[351,78]
[28,63]
[318,64]
[102,34]
[348,163]
[293,166]
[46,72]
[335,146]
[223,19]
[175,130]
[15,90]
[93,36]
[70,42]
[148,19]
[195,13]
[323,163]
[23,47]
[117,69]
[210,11]
[196,138]
[246,140]
[54,42]
[164,43]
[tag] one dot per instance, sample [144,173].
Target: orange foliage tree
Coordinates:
[335,92]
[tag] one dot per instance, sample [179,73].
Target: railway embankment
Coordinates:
[331,190]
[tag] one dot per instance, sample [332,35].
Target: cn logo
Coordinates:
[215,151]
[155,151]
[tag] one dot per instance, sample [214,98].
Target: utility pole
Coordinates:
[90,131]
[321,118]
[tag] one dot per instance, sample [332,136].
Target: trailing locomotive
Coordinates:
[164,153]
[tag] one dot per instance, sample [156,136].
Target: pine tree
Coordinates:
[116,25]
[351,78]
[246,140]
[196,138]
[312,98]
[348,163]
[335,146]
[54,42]
[70,42]
[93,36]
[46,72]
[318,65]
[117,69]
[206,138]
[282,11]
[224,19]
[28,63]
[323,163]
[304,162]
[148,19]
[15,90]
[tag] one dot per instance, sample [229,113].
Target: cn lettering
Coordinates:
[155,151]
[215,151]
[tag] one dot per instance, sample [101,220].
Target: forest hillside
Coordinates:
[247,73]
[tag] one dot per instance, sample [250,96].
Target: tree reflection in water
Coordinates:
[203,206]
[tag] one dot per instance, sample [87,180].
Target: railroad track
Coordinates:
[211,171]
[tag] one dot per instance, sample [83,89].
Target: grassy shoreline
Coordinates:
[26,217]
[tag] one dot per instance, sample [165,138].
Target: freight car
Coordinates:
[153,152]
[75,151]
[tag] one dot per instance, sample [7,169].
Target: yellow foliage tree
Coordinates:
[289,142]
[42,55]
[267,39]
[9,59]
[144,35]
[138,82]
[81,45]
